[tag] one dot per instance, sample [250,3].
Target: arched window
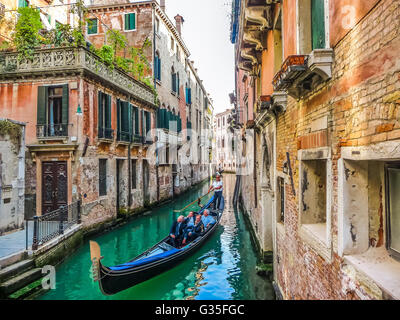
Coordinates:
[157,66]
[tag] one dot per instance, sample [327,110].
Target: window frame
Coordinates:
[127,14]
[322,245]
[393,253]
[97,27]
[105,179]
[133,174]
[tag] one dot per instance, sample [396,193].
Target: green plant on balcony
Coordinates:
[26,36]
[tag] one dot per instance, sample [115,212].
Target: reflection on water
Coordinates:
[222,269]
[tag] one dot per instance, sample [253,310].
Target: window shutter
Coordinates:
[108,112]
[136,120]
[127,22]
[118,117]
[65,104]
[125,118]
[100,113]
[148,122]
[132,21]
[128,108]
[42,105]
[159,69]
[174,82]
[318,23]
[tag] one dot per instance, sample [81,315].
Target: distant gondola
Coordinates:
[149,264]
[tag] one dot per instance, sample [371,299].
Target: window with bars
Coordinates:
[102,177]
[130,21]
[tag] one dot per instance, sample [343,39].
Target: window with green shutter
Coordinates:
[23,3]
[92,26]
[52,111]
[130,21]
[124,125]
[104,116]
[318,24]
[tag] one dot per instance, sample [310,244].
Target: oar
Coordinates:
[197,200]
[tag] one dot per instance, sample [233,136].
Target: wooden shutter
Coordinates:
[148,122]
[159,68]
[65,104]
[108,112]
[318,24]
[100,113]
[118,117]
[127,22]
[136,120]
[173,82]
[125,118]
[42,105]
[132,21]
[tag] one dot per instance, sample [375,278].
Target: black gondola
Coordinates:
[149,264]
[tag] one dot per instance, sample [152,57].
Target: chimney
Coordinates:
[179,22]
[162,5]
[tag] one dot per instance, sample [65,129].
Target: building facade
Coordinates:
[225,155]
[324,85]
[94,132]
[184,105]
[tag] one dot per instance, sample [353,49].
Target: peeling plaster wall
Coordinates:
[11,186]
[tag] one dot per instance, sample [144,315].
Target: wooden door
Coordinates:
[54,186]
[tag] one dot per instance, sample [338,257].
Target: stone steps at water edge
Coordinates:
[30,292]
[15,269]
[14,284]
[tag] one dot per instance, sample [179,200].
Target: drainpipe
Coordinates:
[155,87]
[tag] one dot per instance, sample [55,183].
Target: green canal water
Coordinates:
[223,268]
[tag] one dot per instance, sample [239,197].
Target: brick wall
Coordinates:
[361,106]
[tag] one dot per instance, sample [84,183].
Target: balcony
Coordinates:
[301,74]
[73,61]
[124,137]
[292,68]
[106,134]
[52,131]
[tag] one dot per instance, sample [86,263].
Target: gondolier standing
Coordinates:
[218,187]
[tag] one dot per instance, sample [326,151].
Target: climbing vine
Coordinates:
[12,130]
[26,36]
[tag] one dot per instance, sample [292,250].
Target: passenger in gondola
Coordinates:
[177,231]
[207,220]
[190,219]
[192,233]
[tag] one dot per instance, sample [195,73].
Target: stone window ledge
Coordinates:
[377,265]
[315,235]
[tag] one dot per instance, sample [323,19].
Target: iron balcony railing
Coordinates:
[55,223]
[137,138]
[124,136]
[52,130]
[105,133]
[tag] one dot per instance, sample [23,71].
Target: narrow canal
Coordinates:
[223,269]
